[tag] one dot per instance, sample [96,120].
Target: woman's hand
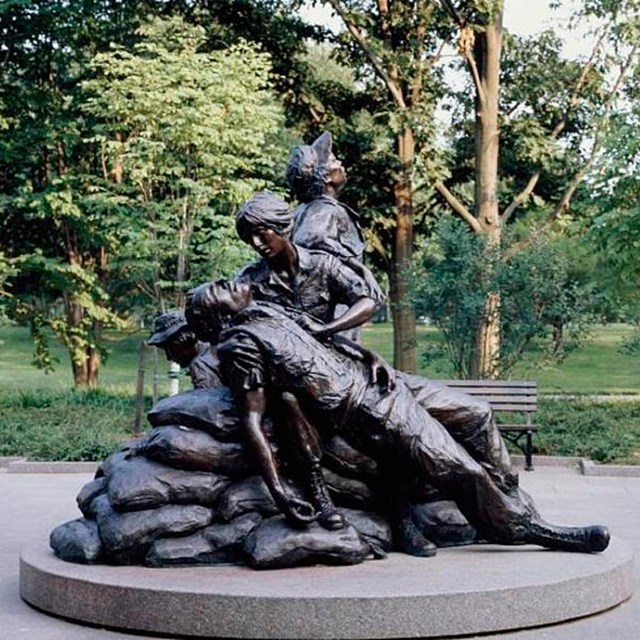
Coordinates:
[382,373]
[317,329]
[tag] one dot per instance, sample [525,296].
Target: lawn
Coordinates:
[118,373]
[43,418]
[596,368]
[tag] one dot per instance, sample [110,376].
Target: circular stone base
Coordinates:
[467,590]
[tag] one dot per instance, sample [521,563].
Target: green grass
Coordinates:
[118,374]
[595,368]
[43,418]
[63,425]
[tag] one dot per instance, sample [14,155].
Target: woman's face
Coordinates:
[267,242]
[336,174]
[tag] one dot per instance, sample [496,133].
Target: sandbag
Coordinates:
[216,544]
[137,529]
[212,410]
[349,492]
[77,541]
[137,483]
[250,495]
[193,449]
[273,544]
[87,494]
[373,528]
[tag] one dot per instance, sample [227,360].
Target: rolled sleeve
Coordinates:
[241,363]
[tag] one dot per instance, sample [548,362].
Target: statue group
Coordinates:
[298,445]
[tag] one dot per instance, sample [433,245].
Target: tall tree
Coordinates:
[396,43]
[587,95]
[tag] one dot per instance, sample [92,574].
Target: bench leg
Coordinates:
[528,452]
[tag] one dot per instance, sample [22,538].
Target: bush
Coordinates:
[544,297]
[601,431]
[43,425]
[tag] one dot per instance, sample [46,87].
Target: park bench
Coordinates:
[508,397]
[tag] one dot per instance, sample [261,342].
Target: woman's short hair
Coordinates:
[264,210]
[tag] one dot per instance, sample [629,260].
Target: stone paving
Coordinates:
[32,504]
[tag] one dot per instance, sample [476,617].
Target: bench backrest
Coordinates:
[502,395]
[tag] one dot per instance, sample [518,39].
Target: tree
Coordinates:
[192,134]
[51,233]
[480,44]
[546,297]
[396,44]
[69,216]
[615,229]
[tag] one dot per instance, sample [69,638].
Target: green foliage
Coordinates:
[542,299]
[52,234]
[63,425]
[192,133]
[601,431]
[615,228]
[109,200]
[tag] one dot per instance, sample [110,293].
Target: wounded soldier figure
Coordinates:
[264,355]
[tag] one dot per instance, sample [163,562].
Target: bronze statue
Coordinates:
[316,178]
[263,351]
[298,445]
[313,282]
[319,288]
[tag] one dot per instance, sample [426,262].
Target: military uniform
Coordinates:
[204,368]
[327,225]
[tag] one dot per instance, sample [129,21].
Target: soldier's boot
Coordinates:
[410,540]
[329,517]
[592,539]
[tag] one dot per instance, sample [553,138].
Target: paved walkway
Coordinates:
[32,504]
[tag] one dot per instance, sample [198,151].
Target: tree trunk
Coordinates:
[84,354]
[557,339]
[404,324]
[85,360]
[86,369]
[487,51]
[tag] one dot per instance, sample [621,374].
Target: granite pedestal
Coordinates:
[468,590]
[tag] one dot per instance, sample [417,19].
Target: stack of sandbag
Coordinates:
[187,492]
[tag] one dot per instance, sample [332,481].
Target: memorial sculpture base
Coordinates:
[461,591]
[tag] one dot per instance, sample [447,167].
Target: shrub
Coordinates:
[75,425]
[603,431]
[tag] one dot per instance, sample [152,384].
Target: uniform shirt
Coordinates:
[264,348]
[204,369]
[322,282]
[327,225]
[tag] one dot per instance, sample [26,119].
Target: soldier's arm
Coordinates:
[252,405]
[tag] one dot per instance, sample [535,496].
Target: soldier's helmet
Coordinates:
[166,326]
